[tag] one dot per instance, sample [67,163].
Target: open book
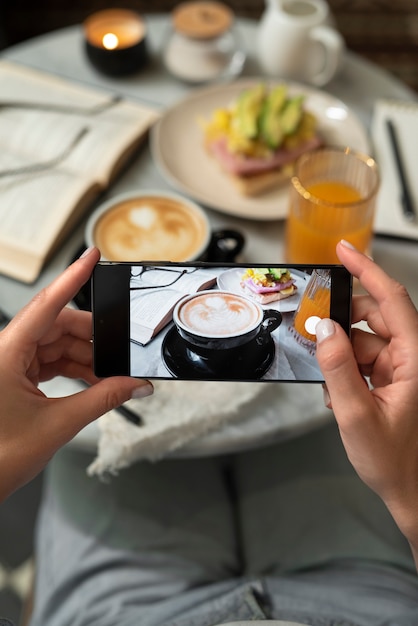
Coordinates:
[61,144]
[151,308]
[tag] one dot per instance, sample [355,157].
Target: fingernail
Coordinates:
[324,329]
[347,244]
[142,392]
[87,252]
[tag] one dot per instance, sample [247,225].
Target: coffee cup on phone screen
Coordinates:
[296,41]
[213,322]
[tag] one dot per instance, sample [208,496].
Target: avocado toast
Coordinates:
[259,136]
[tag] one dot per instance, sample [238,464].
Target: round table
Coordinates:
[358,84]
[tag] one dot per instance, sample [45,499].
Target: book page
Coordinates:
[38,134]
[68,155]
[32,207]
[151,308]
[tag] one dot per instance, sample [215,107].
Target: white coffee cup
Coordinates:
[216,320]
[295,41]
[154,225]
[149,225]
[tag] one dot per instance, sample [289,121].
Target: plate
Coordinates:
[230,281]
[178,151]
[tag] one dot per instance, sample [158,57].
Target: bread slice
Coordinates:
[258,182]
[272,296]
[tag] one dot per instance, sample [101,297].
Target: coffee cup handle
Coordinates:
[333,46]
[271,320]
[225,245]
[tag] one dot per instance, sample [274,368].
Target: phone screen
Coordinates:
[206,321]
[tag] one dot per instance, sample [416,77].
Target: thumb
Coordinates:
[348,393]
[79,409]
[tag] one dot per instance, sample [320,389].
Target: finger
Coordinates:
[367,346]
[365,308]
[72,322]
[373,357]
[63,367]
[339,368]
[72,413]
[35,319]
[397,309]
[67,347]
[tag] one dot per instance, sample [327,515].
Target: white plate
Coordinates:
[178,150]
[230,281]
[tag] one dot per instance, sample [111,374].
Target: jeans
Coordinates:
[284,532]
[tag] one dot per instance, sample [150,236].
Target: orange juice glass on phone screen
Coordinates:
[332,197]
[314,305]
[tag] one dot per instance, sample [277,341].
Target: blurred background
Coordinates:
[384,31]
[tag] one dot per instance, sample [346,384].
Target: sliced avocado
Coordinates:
[277,272]
[271,130]
[292,114]
[249,107]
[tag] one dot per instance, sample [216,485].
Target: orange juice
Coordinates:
[317,304]
[334,191]
[330,211]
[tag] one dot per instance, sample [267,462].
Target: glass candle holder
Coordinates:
[202,44]
[115,41]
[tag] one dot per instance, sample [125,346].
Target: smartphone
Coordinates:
[211,321]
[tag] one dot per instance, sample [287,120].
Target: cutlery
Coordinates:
[62,108]
[35,168]
[129,415]
[4,319]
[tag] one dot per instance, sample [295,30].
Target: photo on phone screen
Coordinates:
[206,321]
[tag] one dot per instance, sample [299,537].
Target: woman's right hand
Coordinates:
[378,424]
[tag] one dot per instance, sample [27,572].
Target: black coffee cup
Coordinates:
[230,321]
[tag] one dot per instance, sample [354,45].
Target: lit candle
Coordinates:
[115,41]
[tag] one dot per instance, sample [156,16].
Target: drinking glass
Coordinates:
[332,197]
[313,306]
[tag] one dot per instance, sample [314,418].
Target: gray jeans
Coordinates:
[286,532]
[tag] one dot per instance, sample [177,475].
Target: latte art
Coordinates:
[219,315]
[151,228]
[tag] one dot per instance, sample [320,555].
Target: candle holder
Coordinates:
[115,41]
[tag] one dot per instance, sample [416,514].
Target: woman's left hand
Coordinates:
[46,339]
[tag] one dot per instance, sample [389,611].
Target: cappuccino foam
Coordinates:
[219,314]
[152,228]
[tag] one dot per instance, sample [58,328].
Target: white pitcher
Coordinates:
[296,41]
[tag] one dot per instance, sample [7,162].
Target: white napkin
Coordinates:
[176,414]
[389,219]
[196,418]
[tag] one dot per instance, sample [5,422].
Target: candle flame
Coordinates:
[110,41]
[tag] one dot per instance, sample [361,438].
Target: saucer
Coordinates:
[249,362]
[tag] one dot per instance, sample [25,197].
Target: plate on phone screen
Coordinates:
[230,281]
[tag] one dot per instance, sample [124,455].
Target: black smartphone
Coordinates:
[211,321]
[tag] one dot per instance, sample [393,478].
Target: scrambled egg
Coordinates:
[223,124]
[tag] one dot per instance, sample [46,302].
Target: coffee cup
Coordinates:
[155,226]
[214,321]
[296,41]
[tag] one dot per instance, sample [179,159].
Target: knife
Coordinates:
[406,197]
